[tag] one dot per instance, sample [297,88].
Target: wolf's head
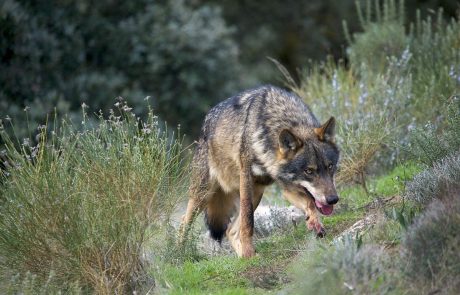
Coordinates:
[308,164]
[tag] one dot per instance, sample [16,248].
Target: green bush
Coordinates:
[82,204]
[60,54]
[396,80]
[437,148]
[431,47]
[342,268]
[383,37]
[432,182]
[435,65]
[431,246]
[431,142]
[367,106]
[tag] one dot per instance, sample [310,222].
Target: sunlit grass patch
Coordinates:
[388,185]
[215,275]
[229,274]
[211,274]
[340,221]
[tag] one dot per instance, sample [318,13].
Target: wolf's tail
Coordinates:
[217,215]
[216,228]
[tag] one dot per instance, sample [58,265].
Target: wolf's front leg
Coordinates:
[307,204]
[313,220]
[240,238]
[233,230]
[246,212]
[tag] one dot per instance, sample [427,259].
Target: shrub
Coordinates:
[343,267]
[383,35]
[431,46]
[435,65]
[431,246]
[432,142]
[56,54]
[394,74]
[82,204]
[29,284]
[356,98]
[433,182]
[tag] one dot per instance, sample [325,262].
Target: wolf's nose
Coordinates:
[331,200]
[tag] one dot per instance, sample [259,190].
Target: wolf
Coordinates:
[259,137]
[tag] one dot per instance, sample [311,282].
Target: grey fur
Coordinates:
[273,132]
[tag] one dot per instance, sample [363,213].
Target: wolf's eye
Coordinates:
[309,171]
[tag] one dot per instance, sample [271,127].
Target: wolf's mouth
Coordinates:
[323,208]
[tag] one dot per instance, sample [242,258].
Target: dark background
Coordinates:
[185,55]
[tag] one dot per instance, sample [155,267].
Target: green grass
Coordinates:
[213,274]
[229,274]
[388,185]
[338,222]
[269,270]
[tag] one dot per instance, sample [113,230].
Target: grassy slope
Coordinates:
[231,275]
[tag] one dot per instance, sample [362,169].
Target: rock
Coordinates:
[358,227]
[267,220]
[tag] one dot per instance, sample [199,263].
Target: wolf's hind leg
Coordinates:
[199,190]
[194,207]
[197,201]
[233,231]
[219,209]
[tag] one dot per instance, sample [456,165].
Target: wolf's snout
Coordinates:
[331,200]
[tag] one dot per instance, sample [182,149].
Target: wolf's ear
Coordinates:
[288,142]
[327,131]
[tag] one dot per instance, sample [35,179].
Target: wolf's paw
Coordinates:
[321,233]
[317,227]
[248,251]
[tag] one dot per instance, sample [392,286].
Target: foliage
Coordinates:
[431,246]
[29,284]
[430,143]
[431,47]
[389,185]
[383,34]
[82,204]
[346,266]
[384,92]
[434,181]
[60,54]
[301,31]
[297,32]
[186,55]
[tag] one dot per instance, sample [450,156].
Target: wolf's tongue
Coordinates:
[325,209]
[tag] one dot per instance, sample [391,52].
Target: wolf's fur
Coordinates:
[249,141]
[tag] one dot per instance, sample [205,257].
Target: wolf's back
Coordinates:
[245,126]
[267,107]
